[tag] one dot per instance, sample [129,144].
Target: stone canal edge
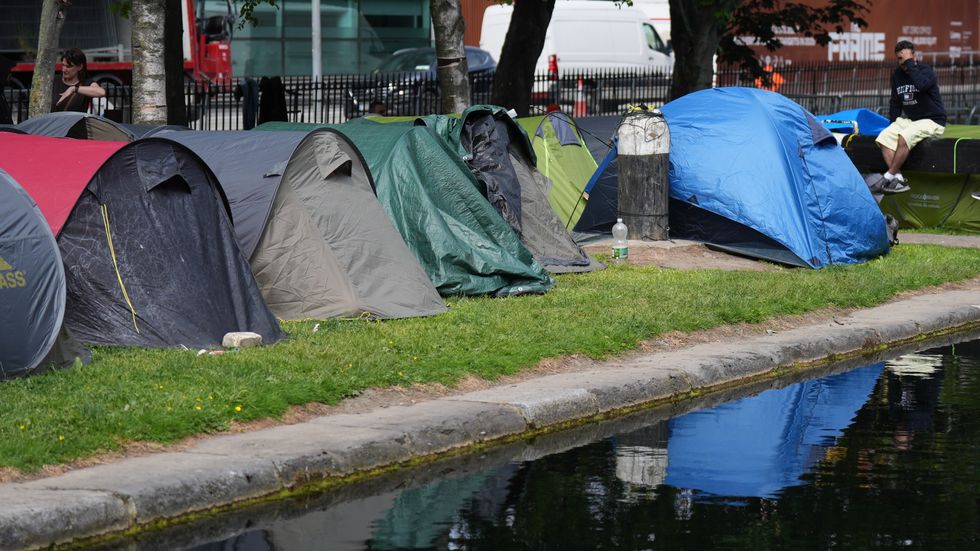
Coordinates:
[229,471]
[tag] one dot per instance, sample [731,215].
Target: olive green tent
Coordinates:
[940,199]
[463,245]
[564,157]
[499,154]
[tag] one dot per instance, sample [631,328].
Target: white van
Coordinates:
[586,35]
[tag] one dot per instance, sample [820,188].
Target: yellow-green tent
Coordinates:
[564,158]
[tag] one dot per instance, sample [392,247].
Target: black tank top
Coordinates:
[75,102]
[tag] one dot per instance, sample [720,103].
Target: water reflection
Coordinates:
[757,446]
[884,455]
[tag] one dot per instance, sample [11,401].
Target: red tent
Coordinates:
[54,171]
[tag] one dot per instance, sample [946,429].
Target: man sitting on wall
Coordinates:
[915,94]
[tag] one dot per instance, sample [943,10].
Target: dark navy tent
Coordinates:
[602,188]
[752,172]
[756,446]
[72,124]
[145,234]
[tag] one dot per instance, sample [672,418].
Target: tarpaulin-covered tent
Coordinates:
[756,446]
[307,217]
[461,242]
[147,242]
[32,288]
[498,152]
[563,156]
[754,173]
[72,124]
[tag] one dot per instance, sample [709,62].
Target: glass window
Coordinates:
[654,42]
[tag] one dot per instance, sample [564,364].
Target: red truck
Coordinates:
[207,51]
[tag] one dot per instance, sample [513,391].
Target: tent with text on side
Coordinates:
[146,238]
[307,218]
[32,289]
[499,155]
[433,200]
[71,124]
[753,173]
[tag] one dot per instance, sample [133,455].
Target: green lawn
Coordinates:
[164,395]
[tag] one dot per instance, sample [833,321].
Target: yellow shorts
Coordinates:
[913,132]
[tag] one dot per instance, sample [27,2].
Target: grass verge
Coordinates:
[165,395]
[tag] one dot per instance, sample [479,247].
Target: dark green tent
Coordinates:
[433,200]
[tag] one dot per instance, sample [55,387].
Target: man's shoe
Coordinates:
[975,195]
[894,185]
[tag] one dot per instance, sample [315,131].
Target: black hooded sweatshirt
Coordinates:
[915,91]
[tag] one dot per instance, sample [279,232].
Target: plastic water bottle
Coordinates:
[620,247]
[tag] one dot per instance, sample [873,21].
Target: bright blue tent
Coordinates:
[754,173]
[855,121]
[756,446]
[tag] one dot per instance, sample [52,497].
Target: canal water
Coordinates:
[885,455]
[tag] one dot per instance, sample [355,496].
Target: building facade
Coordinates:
[356,35]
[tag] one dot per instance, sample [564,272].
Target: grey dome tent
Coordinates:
[433,200]
[71,124]
[145,235]
[32,288]
[498,152]
[307,217]
[146,130]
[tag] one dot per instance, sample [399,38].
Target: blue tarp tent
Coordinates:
[756,446]
[854,121]
[753,173]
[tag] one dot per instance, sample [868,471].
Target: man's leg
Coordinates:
[898,157]
[887,154]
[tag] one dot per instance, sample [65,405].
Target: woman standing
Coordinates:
[74,92]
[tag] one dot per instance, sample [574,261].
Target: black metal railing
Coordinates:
[820,87]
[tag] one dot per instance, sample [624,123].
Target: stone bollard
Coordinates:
[244,339]
[644,165]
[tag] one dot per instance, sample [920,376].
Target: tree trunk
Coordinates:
[149,70]
[448,27]
[696,29]
[525,39]
[53,13]
[174,60]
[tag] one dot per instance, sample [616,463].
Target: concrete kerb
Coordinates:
[220,472]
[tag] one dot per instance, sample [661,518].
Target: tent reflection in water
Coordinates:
[144,230]
[756,446]
[307,217]
[32,288]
